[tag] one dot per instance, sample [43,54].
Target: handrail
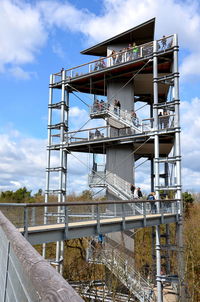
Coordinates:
[53,204]
[125,270]
[46,283]
[88,129]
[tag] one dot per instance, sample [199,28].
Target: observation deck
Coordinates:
[90,77]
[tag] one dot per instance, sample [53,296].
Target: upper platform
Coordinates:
[92,77]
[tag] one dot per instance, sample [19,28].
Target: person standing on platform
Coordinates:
[132,188]
[114,57]
[140,195]
[118,107]
[135,51]
[151,197]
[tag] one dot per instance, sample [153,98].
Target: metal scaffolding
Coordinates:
[148,75]
[57,131]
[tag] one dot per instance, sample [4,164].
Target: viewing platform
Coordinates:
[97,139]
[126,62]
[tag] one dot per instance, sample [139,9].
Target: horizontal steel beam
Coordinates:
[52,233]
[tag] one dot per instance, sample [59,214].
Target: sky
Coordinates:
[39,37]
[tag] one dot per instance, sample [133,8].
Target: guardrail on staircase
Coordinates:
[25,275]
[123,268]
[124,117]
[118,186]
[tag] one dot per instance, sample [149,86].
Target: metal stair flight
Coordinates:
[117,186]
[122,267]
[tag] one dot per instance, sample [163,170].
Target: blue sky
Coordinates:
[40,37]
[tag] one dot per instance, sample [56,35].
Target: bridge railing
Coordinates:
[33,214]
[25,275]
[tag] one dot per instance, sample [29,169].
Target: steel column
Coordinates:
[156,165]
[48,156]
[62,172]
[178,171]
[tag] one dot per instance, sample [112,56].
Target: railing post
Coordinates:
[162,211]
[66,222]
[141,48]
[123,218]
[25,222]
[98,220]
[177,209]
[144,214]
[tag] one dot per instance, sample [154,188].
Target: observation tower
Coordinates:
[135,73]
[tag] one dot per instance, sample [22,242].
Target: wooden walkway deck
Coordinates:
[57,232]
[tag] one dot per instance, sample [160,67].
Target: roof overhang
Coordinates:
[140,34]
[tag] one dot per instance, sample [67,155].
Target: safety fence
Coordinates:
[38,214]
[25,275]
[125,55]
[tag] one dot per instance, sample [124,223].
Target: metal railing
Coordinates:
[123,116]
[120,57]
[123,268]
[98,133]
[118,182]
[28,215]
[25,275]
[119,187]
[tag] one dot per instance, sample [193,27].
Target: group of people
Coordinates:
[132,52]
[98,65]
[126,54]
[136,192]
[98,105]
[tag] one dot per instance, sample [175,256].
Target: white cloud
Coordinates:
[23,163]
[130,13]
[64,15]
[190,138]
[25,26]
[77,112]
[58,50]
[22,34]
[19,73]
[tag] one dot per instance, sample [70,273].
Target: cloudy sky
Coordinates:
[40,37]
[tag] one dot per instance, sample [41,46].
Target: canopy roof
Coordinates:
[140,34]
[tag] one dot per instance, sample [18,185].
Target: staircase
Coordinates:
[117,186]
[117,118]
[122,267]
